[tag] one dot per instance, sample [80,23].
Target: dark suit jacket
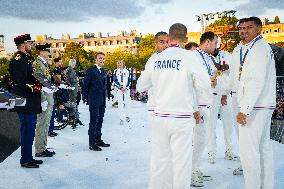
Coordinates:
[95,86]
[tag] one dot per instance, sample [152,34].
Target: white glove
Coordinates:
[44,105]
[63,86]
[6,105]
[54,88]
[47,90]
[23,104]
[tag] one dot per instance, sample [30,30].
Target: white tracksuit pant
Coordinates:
[171,159]
[123,103]
[256,150]
[235,111]
[199,138]
[227,119]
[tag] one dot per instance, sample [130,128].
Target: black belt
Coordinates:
[215,94]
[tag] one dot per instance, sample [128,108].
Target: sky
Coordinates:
[57,17]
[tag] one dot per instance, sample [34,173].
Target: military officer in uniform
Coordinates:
[43,121]
[25,85]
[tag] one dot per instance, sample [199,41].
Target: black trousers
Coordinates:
[95,125]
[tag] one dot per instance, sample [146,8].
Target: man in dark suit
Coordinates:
[25,85]
[95,95]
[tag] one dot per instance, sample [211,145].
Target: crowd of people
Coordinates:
[190,87]
[187,90]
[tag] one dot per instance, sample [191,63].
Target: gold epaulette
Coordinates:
[18,56]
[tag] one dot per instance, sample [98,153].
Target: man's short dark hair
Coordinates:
[207,35]
[98,53]
[242,20]
[178,31]
[189,45]
[256,21]
[160,33]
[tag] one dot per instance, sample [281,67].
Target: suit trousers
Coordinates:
[95,125]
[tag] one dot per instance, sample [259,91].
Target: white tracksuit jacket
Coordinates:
[257,89]
[122,79]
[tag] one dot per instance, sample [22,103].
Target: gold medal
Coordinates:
[219,73]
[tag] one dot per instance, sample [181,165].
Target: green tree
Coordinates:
[276,20]
[146,49]
[230,39]
[4,65]
[224,21]
[76,51]
[129,58]
[266,21]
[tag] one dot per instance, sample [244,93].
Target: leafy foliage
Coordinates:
[276,20]
[4,65]
[224,21]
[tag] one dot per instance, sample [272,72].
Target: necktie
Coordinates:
[102,72]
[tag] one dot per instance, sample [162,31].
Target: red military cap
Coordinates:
[22,39]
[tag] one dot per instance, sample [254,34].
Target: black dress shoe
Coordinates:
[52,134]
[45,153]
[95,148]
[30,165]
[51,152]
[80,122]
[37,161]
[102,144]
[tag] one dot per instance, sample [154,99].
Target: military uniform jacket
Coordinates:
[41,65]
[21,70]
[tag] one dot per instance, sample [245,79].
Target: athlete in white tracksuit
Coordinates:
[204,103]
[173,77]
[225,110]
[257,100]
[122,81]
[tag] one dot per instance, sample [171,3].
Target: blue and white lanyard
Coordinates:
[242,59]
[207,65]
[219,58]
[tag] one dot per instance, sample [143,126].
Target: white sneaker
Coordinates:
[195,180]
[229,155]
[121,122]
[203,177]
[127,119]
[195,183]
[238,171]
[211,158]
